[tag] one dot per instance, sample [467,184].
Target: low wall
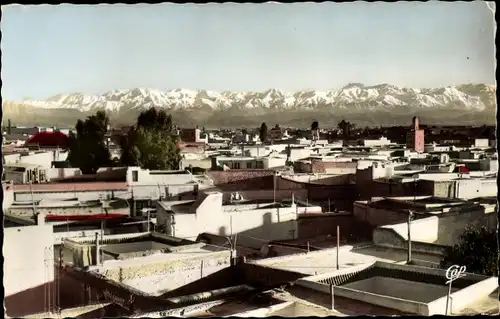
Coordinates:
[387,237]
[273,260]
[266,194]
[326,224]
[180,312]
[464,297]
[445,229]
[110,191]
[277,250]
[195,298]
[422,230]
[377,216]
[264,312]
[406,306]
[60,237]
[482,287]
[261,276]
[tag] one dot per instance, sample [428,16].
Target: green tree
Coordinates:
[263,132]
[346,128]
[314,125]
[150,144]
[477,251]
[88,148]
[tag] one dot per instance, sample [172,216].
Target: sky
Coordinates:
[48,50]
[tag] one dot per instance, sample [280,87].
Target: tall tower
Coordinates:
[415,137]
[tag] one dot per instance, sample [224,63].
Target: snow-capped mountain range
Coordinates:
[472,97]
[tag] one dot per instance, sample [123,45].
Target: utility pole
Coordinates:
[274,187]
[59,279]
[149,214]
[102,230]
[338,245]
[410,214]
[97,248]
[33,201]
[333,296]
[231,244]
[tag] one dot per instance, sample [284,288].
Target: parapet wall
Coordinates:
[193,266]
[444,230]
[84,248]
[387,237]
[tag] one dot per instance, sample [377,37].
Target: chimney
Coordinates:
[40,219]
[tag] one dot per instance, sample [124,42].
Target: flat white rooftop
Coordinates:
[325,261]
[155,258]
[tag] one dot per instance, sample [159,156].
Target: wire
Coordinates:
[261,239]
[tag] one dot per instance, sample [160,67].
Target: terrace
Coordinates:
[148,262]
[404,288]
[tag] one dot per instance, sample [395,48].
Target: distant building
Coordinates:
[192,135]
[415,137]
[46,139]
[276,133]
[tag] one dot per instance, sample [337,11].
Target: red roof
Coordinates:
[50,139]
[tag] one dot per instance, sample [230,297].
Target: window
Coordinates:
[135,176]
[236,165]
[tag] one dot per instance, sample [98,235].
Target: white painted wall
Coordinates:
[446,229]
[379,142]
[8,196]
[28,257]
[473,188]
[299,153]
[270,162]
[266,224]
[43,158]
[481,142]
[146,178]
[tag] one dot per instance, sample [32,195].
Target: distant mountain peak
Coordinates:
[474,97]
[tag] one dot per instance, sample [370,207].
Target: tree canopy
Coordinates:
[346,127]
[477,251]
[88,149]
[150,144]
[314,125]
[263,132]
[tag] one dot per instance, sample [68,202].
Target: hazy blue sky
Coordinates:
[48,50]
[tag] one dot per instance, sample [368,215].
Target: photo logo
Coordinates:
[454,272]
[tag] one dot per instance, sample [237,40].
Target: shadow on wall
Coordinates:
[108,311]
[224,278]
[243,180]
[269,231]
[332,180]
[240,274]
[44,297]
[259,236]
[452,225]
[351,230]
